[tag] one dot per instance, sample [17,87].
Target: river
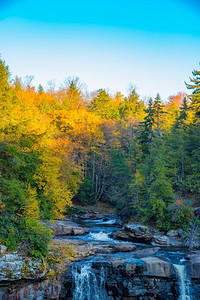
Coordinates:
[109,268]
[88,284]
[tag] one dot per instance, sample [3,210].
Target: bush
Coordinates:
[58,256]
[181,214]
[30,237]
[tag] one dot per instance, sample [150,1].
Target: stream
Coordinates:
[109,268]
[90,284]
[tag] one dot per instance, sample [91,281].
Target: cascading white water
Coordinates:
[100,236]
[184,283]
[86,285]
[108,222]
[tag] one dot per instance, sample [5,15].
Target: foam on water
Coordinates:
[101,221]
[87,285]
[100,236]
[184,282]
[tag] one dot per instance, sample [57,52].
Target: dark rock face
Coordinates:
[30,291]
[145,278]
[137,275]
[194,264]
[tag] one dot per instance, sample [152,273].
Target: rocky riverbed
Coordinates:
[112,262]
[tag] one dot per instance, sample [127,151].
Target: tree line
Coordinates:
[60,146]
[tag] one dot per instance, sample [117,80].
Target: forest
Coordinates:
[62,146]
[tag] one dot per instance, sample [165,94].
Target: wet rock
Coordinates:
[117,262]
[134,232]
[66,228]
[194,264]
[157,267]
[134,266]
[138,230]
[146,252]
[145,278]
[122,235]
[123,247]
[166,241]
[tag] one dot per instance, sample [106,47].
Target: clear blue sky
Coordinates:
[154,44]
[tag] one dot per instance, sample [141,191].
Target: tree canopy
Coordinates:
[58,147]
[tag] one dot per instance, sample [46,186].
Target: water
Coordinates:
[184,282]
[87,285]
[101,230]
[101,221]
[100,236]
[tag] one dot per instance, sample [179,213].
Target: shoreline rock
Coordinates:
[67,228]
[136,232]
[16,267]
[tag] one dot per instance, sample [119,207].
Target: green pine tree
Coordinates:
[195,96]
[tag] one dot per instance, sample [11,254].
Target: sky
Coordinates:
[153,45]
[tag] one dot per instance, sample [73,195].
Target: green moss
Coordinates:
[25,271]
[9,273]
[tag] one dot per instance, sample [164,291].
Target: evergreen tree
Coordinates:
[194,144]
[195,96]
[132,105]
[102,105]
[158,192]
[183,111]
[147,126]
[158,111]
[40,89]
[5,89]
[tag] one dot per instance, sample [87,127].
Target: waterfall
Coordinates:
[184,283]
[87,285]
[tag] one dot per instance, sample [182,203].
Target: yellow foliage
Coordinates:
[31,209]
[60,254]
[2,207]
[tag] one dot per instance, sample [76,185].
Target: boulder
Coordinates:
[139,230]
[16,267]
[134,232]
[194,264]
[146,252]
[157,267]
[166,241]
[175,233]
[122,235]
[78,231]
[66,228]
[134,266]
[124,247]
